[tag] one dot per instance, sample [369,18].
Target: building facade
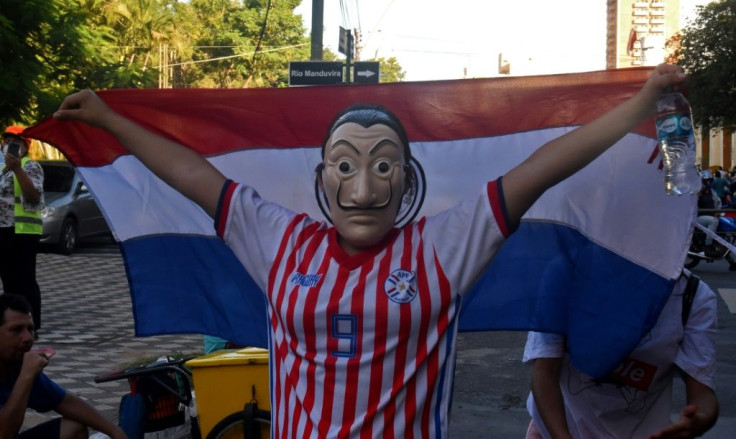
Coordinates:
[637,31]
[636,35]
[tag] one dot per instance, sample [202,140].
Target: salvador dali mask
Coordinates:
[363,180]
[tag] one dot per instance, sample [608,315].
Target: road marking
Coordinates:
[729,296]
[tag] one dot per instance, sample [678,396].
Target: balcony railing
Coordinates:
[659,29]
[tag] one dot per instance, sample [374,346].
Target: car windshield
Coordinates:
[57,178]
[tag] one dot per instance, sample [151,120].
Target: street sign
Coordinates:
[315,72]
[366,72]
[344,46]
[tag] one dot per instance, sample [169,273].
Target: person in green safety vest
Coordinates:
[21,202]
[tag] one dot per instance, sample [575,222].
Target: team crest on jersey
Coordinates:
[400,286]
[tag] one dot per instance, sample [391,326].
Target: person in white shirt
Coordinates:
[634,400]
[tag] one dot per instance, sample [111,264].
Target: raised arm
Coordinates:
[29,191]
[564,156]
[180,167]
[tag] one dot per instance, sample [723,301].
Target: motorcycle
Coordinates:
[724,243]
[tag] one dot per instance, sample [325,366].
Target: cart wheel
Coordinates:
[231,427]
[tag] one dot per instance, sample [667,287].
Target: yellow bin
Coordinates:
[224,381]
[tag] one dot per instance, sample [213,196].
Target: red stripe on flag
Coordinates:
[215,121]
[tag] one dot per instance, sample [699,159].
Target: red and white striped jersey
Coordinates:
[361,345]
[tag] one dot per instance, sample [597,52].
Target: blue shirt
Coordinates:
[45,394]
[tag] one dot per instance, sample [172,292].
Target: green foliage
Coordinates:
[245,44]
[707,51]
[391,70]
[50,48]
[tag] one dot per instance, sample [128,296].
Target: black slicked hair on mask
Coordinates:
[366,116]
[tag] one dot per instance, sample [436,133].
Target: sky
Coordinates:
[435,39]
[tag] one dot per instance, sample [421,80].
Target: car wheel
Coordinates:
[68,238]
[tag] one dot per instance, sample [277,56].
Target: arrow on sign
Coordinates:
[367,72]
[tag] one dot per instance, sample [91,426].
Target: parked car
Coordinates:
[71,214]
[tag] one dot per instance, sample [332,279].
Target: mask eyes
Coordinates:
[383,168]
[346,167]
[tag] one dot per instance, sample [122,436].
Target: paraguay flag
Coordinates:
[595,258]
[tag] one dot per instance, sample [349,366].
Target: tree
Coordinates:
[706,48]
[39,42]
[142,36]
[391,70]
[48,49]
[246,43]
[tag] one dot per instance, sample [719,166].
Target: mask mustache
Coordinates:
[371,207]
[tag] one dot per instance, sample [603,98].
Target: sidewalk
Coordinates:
[87,319]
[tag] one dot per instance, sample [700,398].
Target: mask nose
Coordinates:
[363,194]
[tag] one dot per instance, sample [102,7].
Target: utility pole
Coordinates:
[349,57]
[318,11]
[356,43]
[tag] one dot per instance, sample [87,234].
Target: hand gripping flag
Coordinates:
[595,258]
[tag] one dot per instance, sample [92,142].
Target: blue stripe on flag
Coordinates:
[183,284]
[566,284]
[549,277]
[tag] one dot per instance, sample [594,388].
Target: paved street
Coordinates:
[87,319]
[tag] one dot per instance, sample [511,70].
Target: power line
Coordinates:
[199,61]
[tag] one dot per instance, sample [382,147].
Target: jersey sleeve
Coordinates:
[252,227]
[467,237]
[697,353]
[543,345]
[45,394]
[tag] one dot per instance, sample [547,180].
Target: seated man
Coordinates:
[23,384]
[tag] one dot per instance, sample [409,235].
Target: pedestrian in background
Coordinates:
[21,202]
[634,400]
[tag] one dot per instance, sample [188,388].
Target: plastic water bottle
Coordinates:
[677,144]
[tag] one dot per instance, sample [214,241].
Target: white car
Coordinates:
[71,214]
